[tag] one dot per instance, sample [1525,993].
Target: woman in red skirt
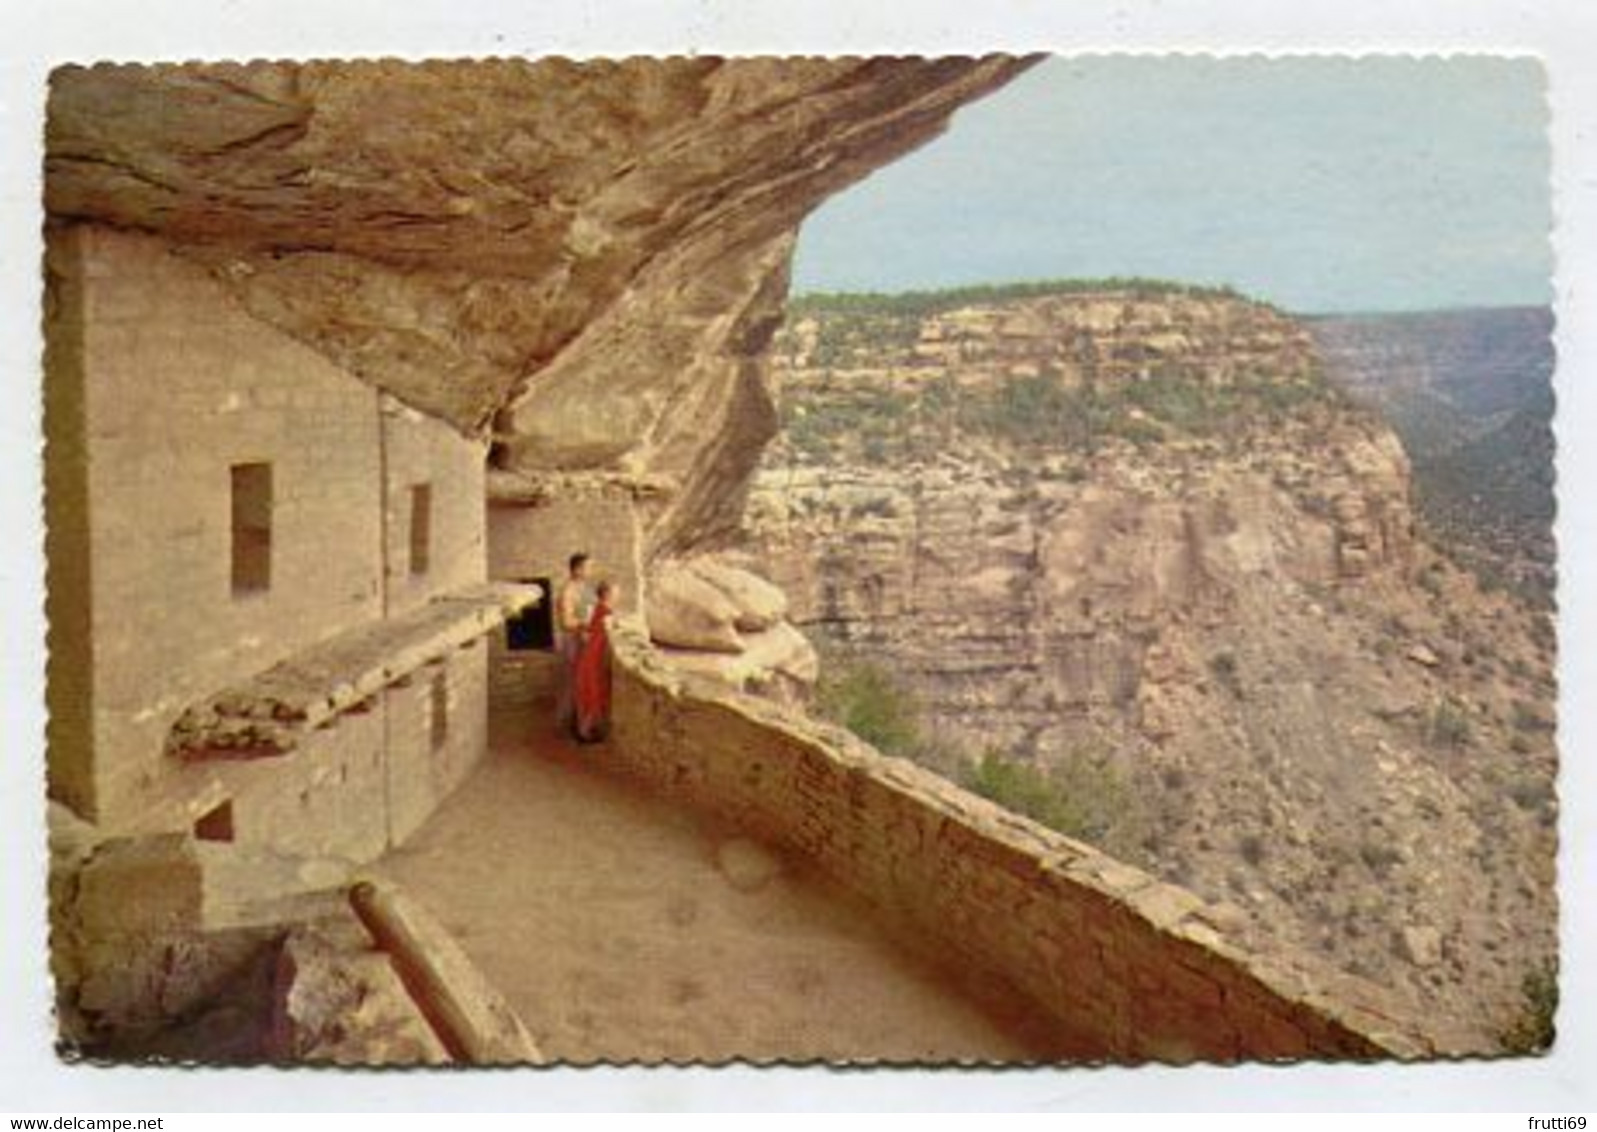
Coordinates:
[593,669]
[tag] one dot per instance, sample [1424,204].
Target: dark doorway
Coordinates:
[533,629]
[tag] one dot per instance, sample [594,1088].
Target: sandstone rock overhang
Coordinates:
[445,229]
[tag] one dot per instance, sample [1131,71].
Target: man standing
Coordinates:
[571,623]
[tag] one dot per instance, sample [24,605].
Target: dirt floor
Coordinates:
[622,928]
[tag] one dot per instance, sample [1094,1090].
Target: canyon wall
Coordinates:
[1130,539]
[1471,394]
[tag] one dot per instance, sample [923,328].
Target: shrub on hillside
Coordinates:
[933,302]
[1027,411]
[1527,717]
[864,698]
[1080,797]
[1449,725]
[1379,858]
[1184,404]
[1223,665]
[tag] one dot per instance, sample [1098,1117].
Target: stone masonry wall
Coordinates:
[70,664]
[162,384]
[427,761]
[178,386]
[1130,968]
[323,800]
[157,385]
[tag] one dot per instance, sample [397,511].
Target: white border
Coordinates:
[39,33]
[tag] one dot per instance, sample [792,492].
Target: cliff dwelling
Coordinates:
[344,362]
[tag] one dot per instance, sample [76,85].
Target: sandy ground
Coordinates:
[622,928]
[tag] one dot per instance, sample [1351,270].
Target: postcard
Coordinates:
[910,561]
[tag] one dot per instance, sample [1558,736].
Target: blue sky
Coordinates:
[1316,183]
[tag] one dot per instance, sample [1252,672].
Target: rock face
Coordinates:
[592,255]
[1133,540]
[338,1000]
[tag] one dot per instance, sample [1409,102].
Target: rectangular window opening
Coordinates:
[533,629]
[252,528]
[216,825]
[421,527]
[438,711]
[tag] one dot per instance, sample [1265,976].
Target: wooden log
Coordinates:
[471,1018]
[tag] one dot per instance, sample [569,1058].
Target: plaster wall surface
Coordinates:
[325,799]
[1131,968]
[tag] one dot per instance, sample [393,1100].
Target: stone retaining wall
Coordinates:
[1129,968]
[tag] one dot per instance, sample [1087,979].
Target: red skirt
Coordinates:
[593,678]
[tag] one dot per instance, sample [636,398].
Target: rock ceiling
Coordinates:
[446,227]
[587,257]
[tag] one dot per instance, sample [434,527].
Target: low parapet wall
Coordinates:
[1127,968]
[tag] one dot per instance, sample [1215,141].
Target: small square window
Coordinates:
[438,711]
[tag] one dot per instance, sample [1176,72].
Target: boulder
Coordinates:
[784,650]
[1425,656]
[1421,945]
[759,603]
[687,612]
[336,999]
[779,655]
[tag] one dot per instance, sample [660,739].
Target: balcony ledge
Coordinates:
[272,712]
